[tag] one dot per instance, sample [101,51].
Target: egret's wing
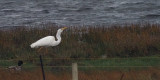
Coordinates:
[46,41]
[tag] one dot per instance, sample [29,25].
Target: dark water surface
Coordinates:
[78,12]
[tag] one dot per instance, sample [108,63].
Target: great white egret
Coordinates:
[46,42]
[49,40]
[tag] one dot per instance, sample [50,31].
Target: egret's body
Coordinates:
[48,40]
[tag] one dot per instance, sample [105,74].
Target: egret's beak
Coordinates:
[64,28]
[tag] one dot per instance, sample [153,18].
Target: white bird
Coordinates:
[48,40]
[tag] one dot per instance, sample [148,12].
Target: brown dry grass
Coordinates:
[146,74]
[84,42]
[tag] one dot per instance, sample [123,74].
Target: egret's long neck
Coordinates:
[58,36]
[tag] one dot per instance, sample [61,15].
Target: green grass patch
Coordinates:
[120,63]
[123,62]
[6,63]
[90,64]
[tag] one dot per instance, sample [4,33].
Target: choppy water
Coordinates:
[78,12]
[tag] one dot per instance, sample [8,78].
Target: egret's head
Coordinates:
[61,29]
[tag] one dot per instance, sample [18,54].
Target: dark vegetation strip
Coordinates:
[84,42]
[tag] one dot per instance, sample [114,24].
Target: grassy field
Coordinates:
[88,64]
[102,52]
[140,68]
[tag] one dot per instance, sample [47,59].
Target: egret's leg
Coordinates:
[46,51]
[40,49]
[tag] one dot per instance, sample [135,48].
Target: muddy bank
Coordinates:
[145,74]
